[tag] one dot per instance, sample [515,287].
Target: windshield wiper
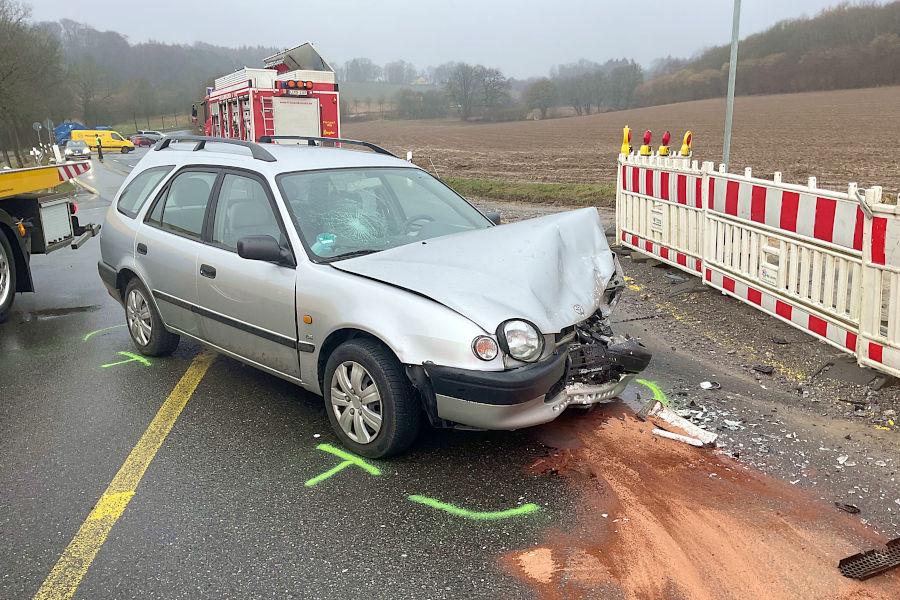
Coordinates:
[352,254]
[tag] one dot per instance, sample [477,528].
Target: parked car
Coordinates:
[151,134]
[77,150]
[142,141]
[362,278]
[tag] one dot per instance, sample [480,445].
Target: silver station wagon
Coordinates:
[362,278]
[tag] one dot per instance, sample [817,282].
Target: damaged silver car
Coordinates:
[364,279]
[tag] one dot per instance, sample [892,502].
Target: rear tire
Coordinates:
[145,326]
[370,370]
[7,276]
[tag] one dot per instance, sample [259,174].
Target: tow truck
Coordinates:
[36,218]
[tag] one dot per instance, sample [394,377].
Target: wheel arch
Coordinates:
[335,339]
[24,283]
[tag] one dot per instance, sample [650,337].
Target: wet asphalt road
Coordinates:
[222,511]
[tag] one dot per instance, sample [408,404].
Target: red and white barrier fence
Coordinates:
[825,262]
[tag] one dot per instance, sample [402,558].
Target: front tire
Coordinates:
[370,403]
[145,326]
[7,276]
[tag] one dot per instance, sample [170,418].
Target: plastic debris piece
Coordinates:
[678,437]
[681,425]
[872,562]
[764,369]
[847,508]
[710,385]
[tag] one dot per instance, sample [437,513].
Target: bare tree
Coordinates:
[463,85]
[541,95]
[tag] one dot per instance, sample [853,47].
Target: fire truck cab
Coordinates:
[294,94]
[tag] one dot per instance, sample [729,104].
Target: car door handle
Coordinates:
[142,248]
[208,271]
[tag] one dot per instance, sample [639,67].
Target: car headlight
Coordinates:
[68,151]
[485,347]
[522,340]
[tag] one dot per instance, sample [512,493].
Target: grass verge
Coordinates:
[570,194]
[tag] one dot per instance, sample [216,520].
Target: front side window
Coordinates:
[183,208]
[138,190]
[243,209]
[348,212]
[116,136]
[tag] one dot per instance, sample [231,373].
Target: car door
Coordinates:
[247,306]
[168,241]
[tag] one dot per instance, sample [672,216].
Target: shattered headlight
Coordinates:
[521,340]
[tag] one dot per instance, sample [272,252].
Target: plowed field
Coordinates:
[839,137]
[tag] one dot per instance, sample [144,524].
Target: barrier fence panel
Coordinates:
[795,250]
[879,345]
[660,209]
[812,258]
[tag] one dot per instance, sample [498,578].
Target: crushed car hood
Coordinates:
[551,270]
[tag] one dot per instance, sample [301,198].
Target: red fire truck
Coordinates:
[295,94]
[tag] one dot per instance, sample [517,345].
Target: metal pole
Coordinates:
[732,72]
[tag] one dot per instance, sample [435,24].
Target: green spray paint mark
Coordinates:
[657,393]
[456,511]
[129,357]
[93,333]
[349,460]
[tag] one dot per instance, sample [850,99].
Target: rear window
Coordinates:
[139,189]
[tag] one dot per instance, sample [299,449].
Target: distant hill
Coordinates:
[111,78]
[848,46]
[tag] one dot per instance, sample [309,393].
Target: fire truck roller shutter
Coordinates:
[296,116]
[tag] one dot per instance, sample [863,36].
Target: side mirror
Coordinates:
[266,249]
[494,217]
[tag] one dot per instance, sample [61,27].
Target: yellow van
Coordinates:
[108,138]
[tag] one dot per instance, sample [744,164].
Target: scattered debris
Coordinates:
[780,341]
[674,277]
[710,385]
[677,437]
[822,369]
[732,425]
[847,508]
[872,562]
[683,429]
[881,380]
[764,369]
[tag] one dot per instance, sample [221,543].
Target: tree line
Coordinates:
[69,70]
[848,46]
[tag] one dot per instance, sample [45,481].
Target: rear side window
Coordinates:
[138,190]
[183,209]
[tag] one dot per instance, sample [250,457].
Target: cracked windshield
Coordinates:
[350,212]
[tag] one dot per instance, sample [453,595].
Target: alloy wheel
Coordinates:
[137,314]
[356,402]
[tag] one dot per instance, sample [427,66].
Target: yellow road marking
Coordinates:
[73,565]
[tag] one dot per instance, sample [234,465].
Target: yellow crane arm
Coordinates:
[22,181]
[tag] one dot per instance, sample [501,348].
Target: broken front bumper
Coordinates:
[537,393]
[529,413]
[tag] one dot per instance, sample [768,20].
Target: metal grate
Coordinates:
[872,562]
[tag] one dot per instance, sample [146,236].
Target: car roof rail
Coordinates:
[257,151]
[316,141]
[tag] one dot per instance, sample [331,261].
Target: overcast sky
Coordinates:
[521,37]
